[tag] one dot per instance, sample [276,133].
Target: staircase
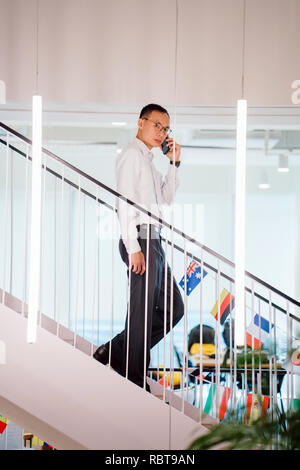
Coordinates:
[67,398]
[54,387]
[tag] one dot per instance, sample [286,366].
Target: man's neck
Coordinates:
[147,145]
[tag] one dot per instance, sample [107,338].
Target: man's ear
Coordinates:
[140,121]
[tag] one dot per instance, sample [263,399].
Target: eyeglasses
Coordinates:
[159,127]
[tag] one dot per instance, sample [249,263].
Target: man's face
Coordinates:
[148,128]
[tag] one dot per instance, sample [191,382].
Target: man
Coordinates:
[139,181]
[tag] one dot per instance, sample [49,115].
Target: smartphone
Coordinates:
[165,147]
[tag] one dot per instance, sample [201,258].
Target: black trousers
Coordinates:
[134,330]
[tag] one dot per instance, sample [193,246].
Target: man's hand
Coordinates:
[170,143]
[137,262]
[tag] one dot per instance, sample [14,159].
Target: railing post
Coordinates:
[69,254]
[172,314]
[5,224]
[78,261]
[146,307]
[43,210]
[128,316]
[275,362]
[218,342]
[25,233]
[165,317]
[61,276]
[270,355]
[184,380]
[113,237]
[96,256]
[201,341]
[252,349]
[11,220]
[231,339]
[55,250]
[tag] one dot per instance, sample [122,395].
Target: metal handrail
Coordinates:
[153,216]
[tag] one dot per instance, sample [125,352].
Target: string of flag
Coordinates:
[192,277]
[258,331]
[256,405]
[164,382]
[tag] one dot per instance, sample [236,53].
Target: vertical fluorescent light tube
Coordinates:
[35,230]
[240,197]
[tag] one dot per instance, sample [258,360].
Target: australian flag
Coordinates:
[193,277]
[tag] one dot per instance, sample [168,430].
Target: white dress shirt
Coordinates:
[139,181]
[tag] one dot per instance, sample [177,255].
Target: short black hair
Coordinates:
[152,107]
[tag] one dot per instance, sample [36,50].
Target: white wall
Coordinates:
[124,51]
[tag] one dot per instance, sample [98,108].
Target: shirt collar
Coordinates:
[144,149]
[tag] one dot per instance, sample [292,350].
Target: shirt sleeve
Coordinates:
[127,174]
[167,187]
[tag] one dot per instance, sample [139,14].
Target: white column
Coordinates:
[35,229]
[240,197]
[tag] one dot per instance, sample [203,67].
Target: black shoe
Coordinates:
[101,354]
